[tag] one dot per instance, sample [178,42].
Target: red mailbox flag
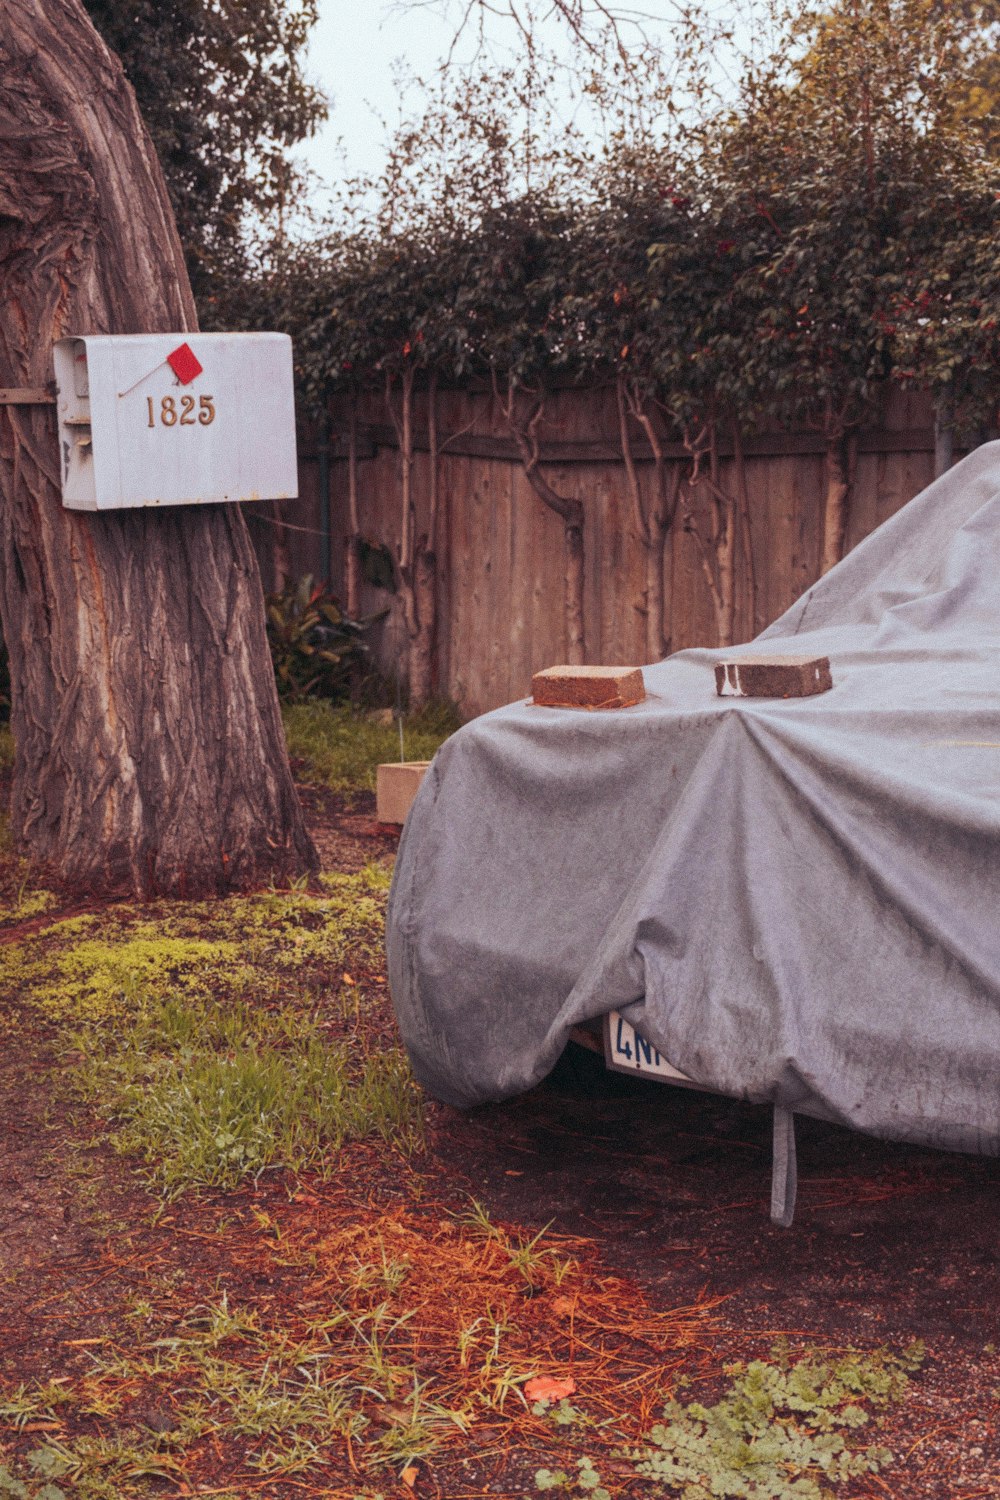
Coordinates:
[184,363]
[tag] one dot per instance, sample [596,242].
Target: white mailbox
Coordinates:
[175,419]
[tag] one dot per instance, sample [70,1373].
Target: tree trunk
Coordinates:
[746,532]
[352,559]
[150,753]
[415,585]
[576,653]
[944,431]
[525,435]
[426,568]
[656,639]
[422,642]
[718,551]
[652,525]
[641,528]
[725,610]
[839,465]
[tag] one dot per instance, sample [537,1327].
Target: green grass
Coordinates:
[206,1094]
[221,1039]
[342,746]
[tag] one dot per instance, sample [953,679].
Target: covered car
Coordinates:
[796,902]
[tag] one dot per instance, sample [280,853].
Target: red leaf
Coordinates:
[549,1388]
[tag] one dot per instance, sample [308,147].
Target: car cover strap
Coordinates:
[784,1170]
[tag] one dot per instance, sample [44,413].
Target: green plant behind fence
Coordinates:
[316,650]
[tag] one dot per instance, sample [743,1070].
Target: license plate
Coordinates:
[625,1051]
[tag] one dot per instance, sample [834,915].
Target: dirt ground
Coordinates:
[666,1189]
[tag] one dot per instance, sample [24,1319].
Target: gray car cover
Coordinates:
[796,901]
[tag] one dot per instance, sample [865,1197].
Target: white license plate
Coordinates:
[627,1052]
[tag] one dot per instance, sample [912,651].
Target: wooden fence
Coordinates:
[500,556]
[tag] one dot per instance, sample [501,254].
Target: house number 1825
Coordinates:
[181,412]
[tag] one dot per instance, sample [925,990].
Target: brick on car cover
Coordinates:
[773,676]
[588,687]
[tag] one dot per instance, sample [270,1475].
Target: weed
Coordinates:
[586,1481]
[508,1383]
[561,1414]
[96,1466]
[467,1341]
[534,1265]
[33,1403]
[780,1431]
[387,1274]
[220,1322]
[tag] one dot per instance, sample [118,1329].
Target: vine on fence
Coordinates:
[833,229]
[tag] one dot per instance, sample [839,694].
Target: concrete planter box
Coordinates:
[396,786]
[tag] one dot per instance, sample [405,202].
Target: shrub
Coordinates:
[316,650]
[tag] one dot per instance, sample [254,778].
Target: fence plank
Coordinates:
[501,556]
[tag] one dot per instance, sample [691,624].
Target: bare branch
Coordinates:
[746,534]
[432,442]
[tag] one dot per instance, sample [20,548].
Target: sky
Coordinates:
[356,52]
[352,53]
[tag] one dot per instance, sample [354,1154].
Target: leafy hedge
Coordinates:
[835,229]
[316,650]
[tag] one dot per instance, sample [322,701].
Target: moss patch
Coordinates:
[223,1038]
[255,948]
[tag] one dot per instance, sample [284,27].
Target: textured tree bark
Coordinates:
[352,545]
[150,754]
[651,525]
[840,464]
[525,434]
[417,567]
